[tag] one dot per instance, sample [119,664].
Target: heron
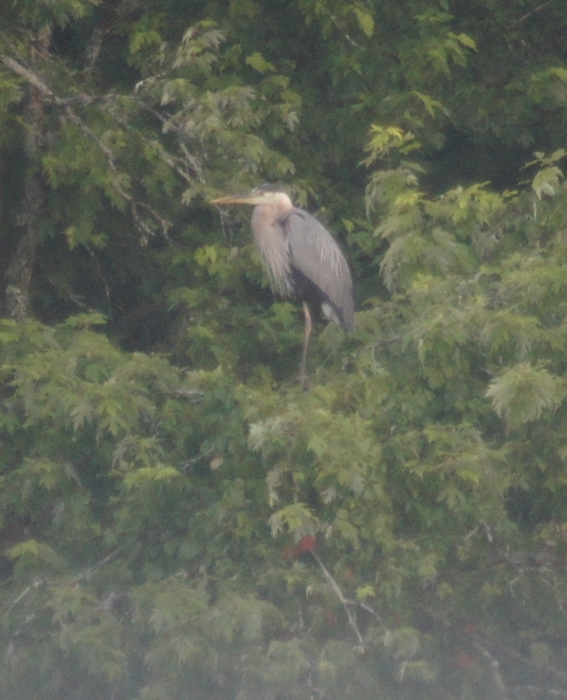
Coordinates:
[302,259]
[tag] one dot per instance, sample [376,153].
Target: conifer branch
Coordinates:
[135,205]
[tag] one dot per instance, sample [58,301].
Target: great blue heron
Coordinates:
[301,257]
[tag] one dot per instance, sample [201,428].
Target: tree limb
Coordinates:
[34,79]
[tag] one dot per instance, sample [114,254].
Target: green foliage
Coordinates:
[177,516]
[522,393]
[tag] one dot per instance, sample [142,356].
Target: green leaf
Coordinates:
[259,63]
[365,20]
[466,40]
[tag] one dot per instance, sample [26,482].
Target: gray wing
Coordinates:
[315,253]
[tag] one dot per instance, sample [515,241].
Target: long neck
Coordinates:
[269,236]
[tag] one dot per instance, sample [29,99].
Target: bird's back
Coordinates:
[316,256]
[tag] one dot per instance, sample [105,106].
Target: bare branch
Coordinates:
[87,574]
[351,41]
[529,14]
[34,79]
[179,131]
[32,587]
[28,75]
[347,604]
[495,668]
[373,612]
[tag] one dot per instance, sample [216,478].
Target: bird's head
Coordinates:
[263,194]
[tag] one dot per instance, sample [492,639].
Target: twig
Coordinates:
[487,532]
[40,581]
[509,655]
[195,460]
[533,689]
[529,14]
[373,612]
[102,277]
[181,133]
[495,667]
[388,341]
[226,224]
[36,584]
[344,602]
[86,575]
[351,41]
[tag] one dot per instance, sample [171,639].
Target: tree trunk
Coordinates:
[20,269]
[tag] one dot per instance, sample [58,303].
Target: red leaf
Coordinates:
[307,544]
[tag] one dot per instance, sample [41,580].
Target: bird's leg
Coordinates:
[308,328]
